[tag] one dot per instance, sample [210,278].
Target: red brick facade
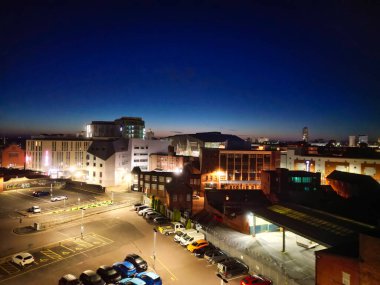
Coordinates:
[13,156]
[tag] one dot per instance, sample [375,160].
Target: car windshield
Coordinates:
[139,260]
[28,257]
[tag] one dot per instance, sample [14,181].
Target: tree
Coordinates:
[188,224]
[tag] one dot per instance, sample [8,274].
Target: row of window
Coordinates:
[140,160]
[297,179]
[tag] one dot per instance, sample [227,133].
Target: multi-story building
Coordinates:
[173,189]
[305,134]
[110,162]
[126,127]
[13,156]
[102,129]
[281,182]
[235,169]
[131,127]
[57,156]
[325,164]
[190,145]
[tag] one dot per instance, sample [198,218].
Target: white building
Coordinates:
[109,163]
[57,156]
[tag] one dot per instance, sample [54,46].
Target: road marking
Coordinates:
[9,267]
[173,277]
[51,254]
[8,270]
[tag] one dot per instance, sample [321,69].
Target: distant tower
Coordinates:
[305,134]
[362,139]
[352,141]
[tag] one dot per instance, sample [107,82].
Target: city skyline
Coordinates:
[253,69]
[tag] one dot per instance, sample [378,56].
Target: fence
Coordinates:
[247,250]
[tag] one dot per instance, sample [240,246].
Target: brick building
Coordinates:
[13,156]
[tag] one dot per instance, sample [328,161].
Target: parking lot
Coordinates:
[108,238]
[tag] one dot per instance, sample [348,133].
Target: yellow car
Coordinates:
[197,244]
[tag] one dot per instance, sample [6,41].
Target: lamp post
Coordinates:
[78,201]
[154,248]
[81,226]
[112,197]
[51,190]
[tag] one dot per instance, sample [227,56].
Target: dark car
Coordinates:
[231,268]
[69,279]
[140,264]
[161,220]
[90,277]
[200,252]
[213,253]
[40,193]
[108,274]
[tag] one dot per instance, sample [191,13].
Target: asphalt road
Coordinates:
[108,238]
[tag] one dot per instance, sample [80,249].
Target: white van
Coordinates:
[178,235]
[189,238]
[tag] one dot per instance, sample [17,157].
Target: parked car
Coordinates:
[126,269]
[197,245]
[23,258]
[201,251]
[148,212]
[139,263]
[131,281]
[190,238]
[58,198]
[40,193]
[161,220]
[34,209]
[69,279]
[172,228]
[141,207]
[142,211]
[137,205]
[90,277]
[231,268]
[212,253]
[220,258]
[108,274]
[150,278]
[151,215]
[255,280]
[180,234]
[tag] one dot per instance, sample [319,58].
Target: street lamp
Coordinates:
[81,226]
[51,190]
[78,201]
[154,248]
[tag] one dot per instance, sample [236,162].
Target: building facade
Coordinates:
[191,144]
[327,164]
[235,169]
[102,129]
[131,127]
[13,156]
[57,156]
[109,163]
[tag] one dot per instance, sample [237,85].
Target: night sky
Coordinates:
[250,68]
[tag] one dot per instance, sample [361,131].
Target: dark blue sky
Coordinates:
[250,68]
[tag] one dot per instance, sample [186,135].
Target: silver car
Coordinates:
[58,198]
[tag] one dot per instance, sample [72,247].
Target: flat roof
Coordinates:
[322,227]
